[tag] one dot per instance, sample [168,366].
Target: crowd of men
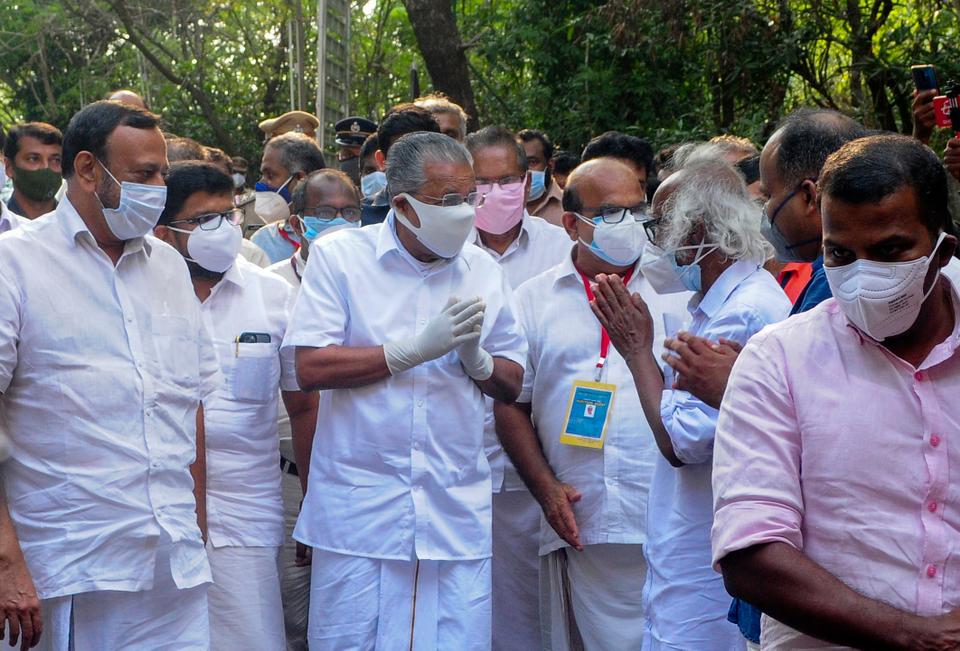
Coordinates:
[463,391]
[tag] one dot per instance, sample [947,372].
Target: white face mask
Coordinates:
[443,230]
[618,244]
[239,180]
[882,299]
[139,210]
[270,207]
[214,250]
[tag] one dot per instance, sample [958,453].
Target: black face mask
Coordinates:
[351,167]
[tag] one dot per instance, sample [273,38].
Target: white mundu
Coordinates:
[102,369]
[614,480]
[246,315]
[516,515]
[399,497]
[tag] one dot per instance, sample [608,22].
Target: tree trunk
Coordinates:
[435,27]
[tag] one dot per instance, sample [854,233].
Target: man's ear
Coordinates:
[163,233]
[402,206]
[527,180]
[296,223]
[569,221]
[810,194]
[381,160]
[84,170]
[947,248]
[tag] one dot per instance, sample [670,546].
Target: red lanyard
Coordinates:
[293,263]
[604,337]
[286,236]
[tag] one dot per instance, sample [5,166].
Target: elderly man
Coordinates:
[287,159]
[326,202]
[245,310]
[799,465]
[705,238]
[590,471]
[32,157]
[103,364]
[450,116]
[524,246]
[405,327]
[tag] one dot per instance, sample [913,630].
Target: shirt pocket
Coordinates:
[255,373]
[177,351]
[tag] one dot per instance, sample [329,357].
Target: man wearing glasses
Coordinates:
[404,326]
[524,246]
[577,434]
[245,311]
[326,202]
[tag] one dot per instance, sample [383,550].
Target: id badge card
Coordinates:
[588,414]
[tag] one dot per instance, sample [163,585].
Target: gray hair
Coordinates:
[497,136]
[298,152]
[409,156]
[711,193]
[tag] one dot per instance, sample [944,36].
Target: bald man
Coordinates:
[589,459]
[127,97]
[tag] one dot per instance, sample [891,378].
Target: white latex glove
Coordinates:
[457,324]
[477,362]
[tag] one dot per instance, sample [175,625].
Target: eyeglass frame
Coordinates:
[236,212]
[477,199]
[338,212]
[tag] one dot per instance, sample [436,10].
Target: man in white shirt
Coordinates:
[577,434]
[103,365]
[404,327]
[326,201]
[9,220]
[524,246]
[245,311]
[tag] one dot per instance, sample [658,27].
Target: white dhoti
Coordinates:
[164,618]
[775,636]
[593,600]
[359,604]
[245,608]
[516,571]
[294,580]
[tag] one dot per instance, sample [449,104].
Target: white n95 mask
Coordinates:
[138,211]
[882,299]
[443,229]
[215,250]
[619,244]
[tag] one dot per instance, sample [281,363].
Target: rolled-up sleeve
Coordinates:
[691,424]
[756,462]
[320,315]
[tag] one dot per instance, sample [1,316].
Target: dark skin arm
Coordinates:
[302,409]
[19,604]
[702,367]
[199,471]
[784,583]
[505,382]
[924,117]
[519,439]
[340,367]
[627,320]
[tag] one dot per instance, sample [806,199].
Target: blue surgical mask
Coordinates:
[314,227]
[373,183]
[666,276]
[283,190]
[538,180]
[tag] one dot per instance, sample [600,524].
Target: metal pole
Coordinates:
[290,64]
[301,89]
[322,71]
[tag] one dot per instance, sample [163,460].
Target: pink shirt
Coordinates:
[828,442]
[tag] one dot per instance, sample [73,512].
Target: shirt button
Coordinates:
[420,403]
[932,507]
[423,321]
[919,376]
[934,440]
[931,571]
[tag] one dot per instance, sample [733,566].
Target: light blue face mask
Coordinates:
[689,274]
[373,183]
[314,227]
[538,180]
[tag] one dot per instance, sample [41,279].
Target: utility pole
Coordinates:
[333,65]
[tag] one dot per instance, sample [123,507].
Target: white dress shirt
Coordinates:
[102,369]
[290,270]
[398,467]
[564,343]
[539,246]
[244,507]
[685,603]
[9,220]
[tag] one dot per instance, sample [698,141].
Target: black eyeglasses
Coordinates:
[616,214]
[329,213]
[211,221]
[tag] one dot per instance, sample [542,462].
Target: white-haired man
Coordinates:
[704,238]
[404,326]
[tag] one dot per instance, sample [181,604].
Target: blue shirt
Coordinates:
[275,245]
[374,209]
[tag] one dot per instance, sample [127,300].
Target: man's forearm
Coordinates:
[504,385]
[787,585]
[199,472]
[302,409]
[520,442]
[649,383]
[340,367]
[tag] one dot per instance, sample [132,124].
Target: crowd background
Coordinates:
[667,70]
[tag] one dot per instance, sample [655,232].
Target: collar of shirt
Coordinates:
[232,276]
[728,281]
[568,270]
[76,229]
[388,241]
[521,240]
[9,220]
[552,193]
